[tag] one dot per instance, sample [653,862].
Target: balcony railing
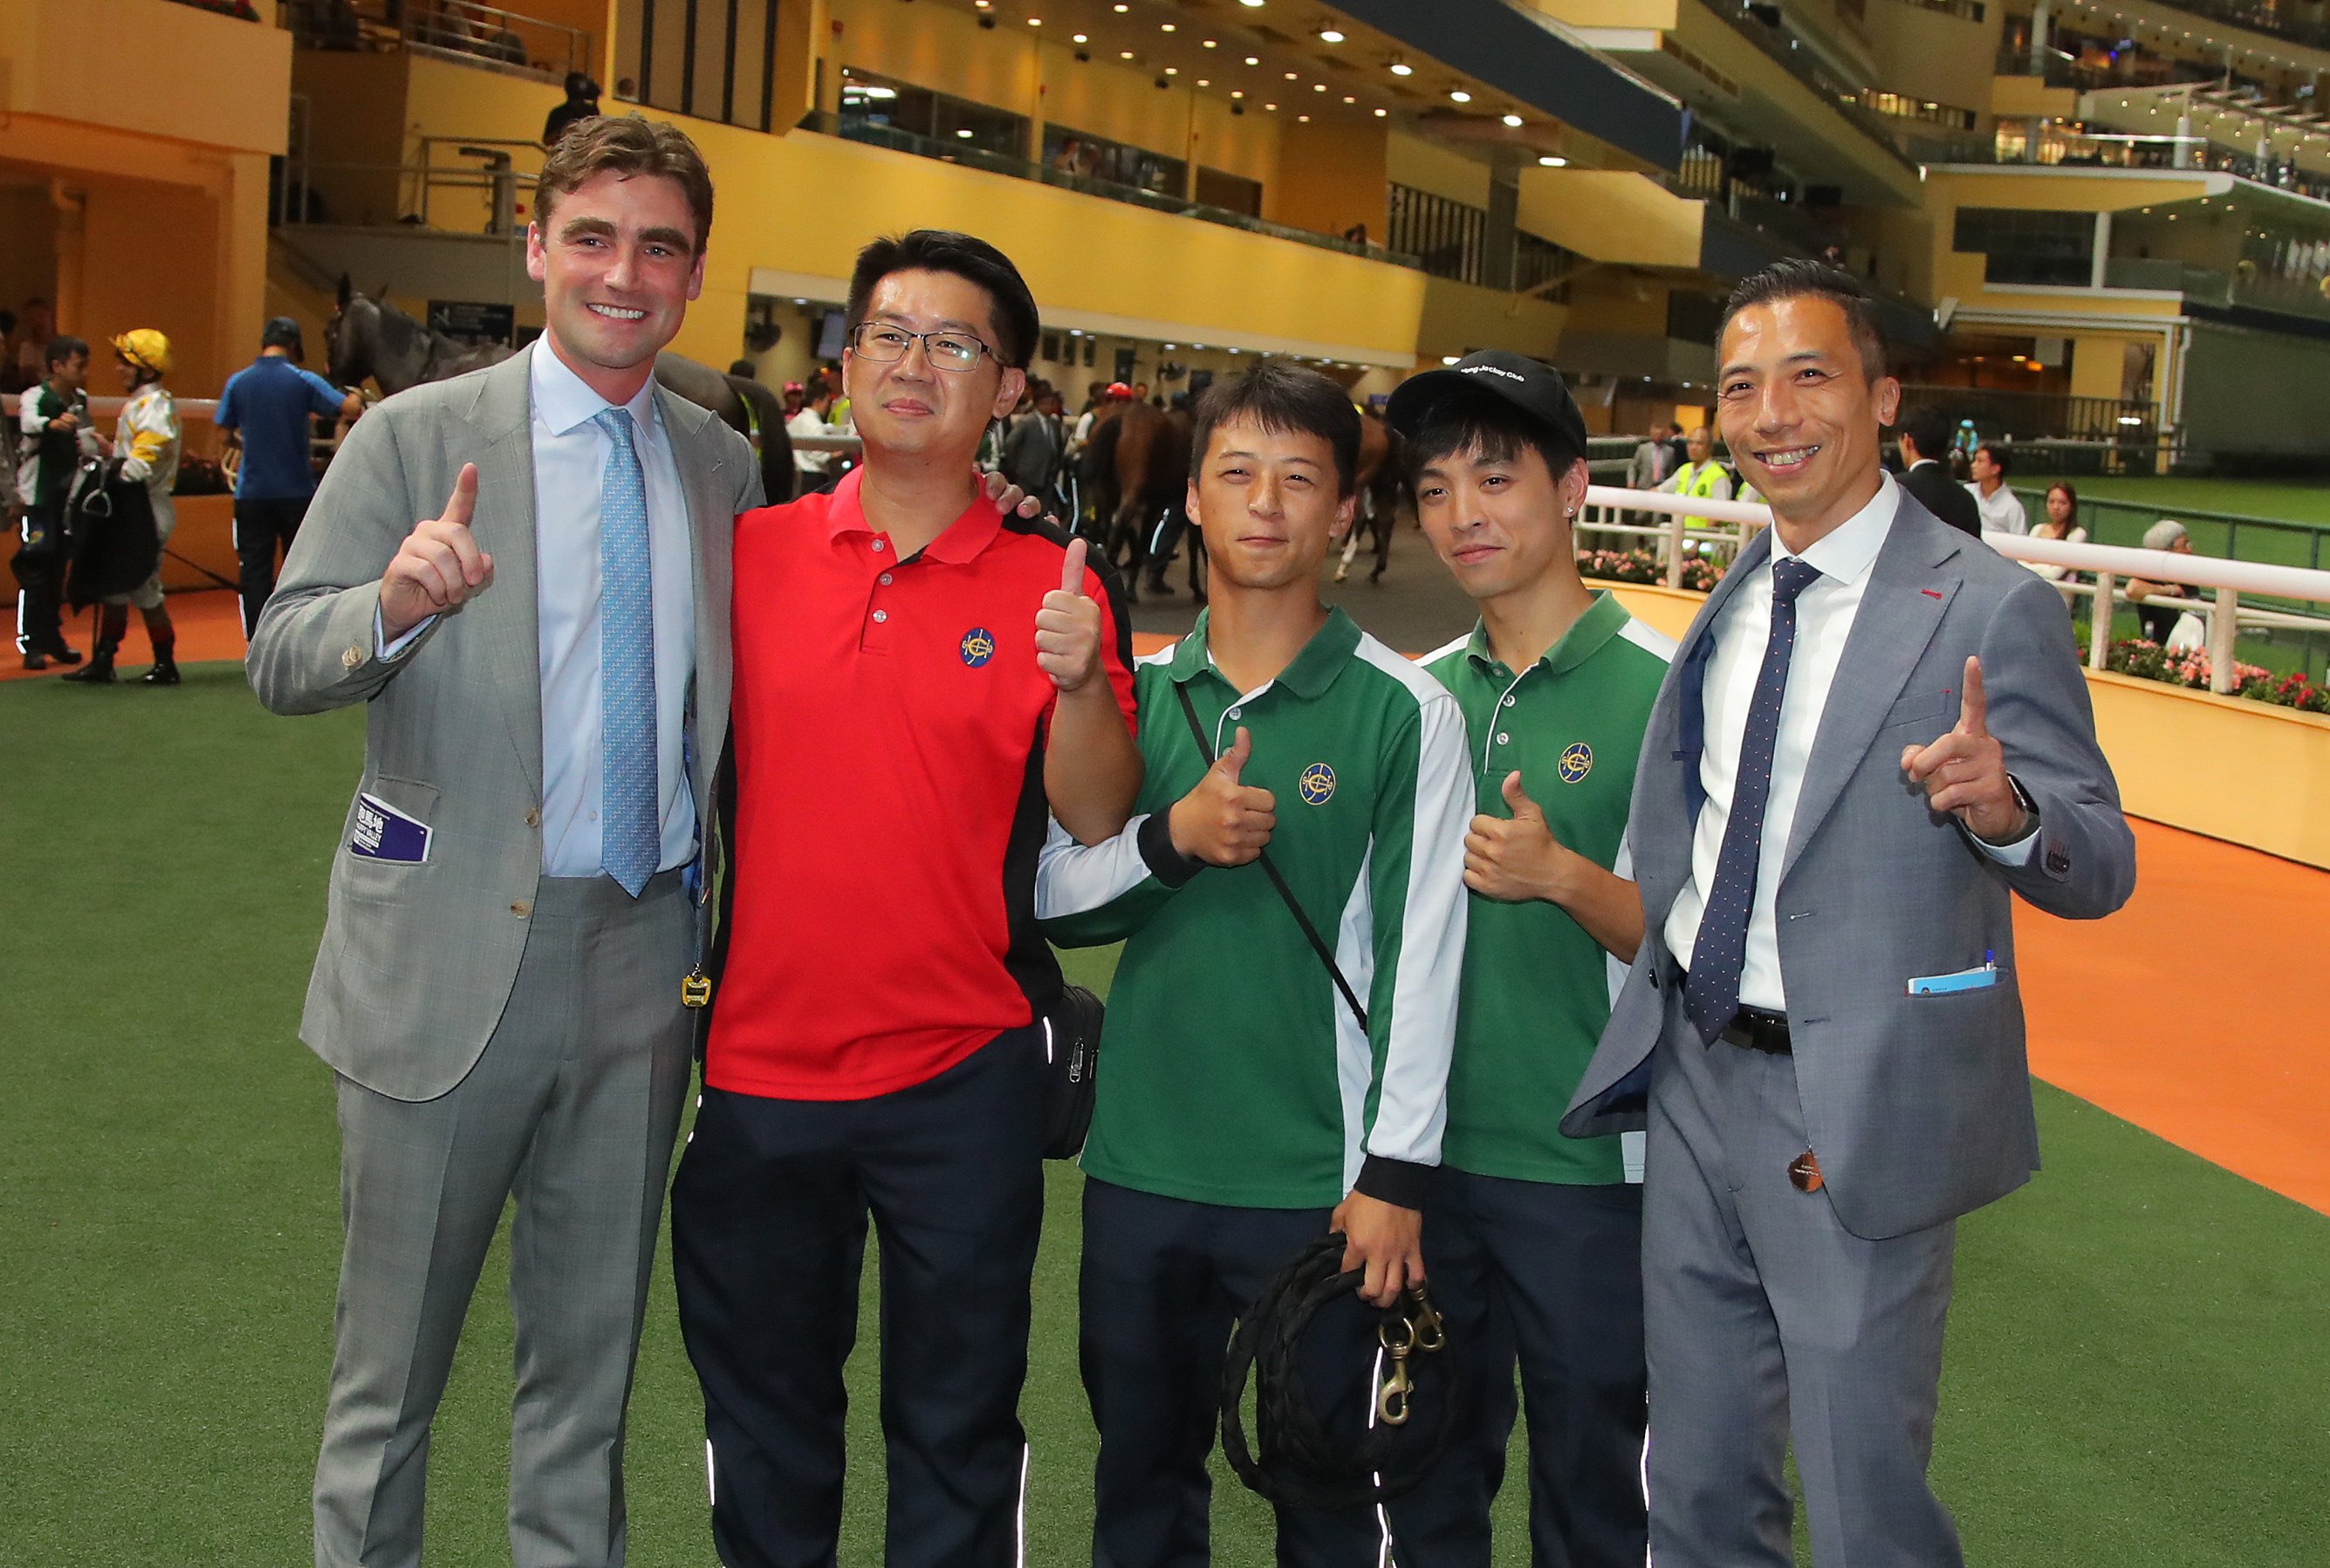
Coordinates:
[2037,416]
[994,163]
[1761,26]
[464,31]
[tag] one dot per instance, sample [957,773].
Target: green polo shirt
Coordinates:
[1537,988]
[1232,1072]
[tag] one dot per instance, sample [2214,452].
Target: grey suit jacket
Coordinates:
[417,959]
[1918,1107]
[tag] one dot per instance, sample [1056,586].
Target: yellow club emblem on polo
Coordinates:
[1576,761]
[1317,785]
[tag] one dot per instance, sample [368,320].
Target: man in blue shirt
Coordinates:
[268,403]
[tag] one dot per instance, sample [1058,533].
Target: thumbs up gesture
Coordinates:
[1067,627]
[1514,859]
[437,566]
[1223,822]
[1964,771]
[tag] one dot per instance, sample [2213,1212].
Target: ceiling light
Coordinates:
[1402,68]
[1079,38]
[1459,95]
[1172,70]
[1302,119]
[1382,113]
[1251,5]
[1451,359]
[1318,87]
[1165,27]
[1349,98]
[1035,22]
[1513,120]
[1125,54]
[1550,161]
[1211,45]
[1237,95]
[1289,76]
[1202,82]
[1254,60]
[1272,106]
[964,134]
[1329,36]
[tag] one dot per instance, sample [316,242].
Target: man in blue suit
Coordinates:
[1875,733]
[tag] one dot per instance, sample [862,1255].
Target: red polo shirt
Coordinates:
[888,739]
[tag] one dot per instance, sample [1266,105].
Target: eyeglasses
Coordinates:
[884,344]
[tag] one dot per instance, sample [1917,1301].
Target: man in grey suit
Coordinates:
[499,989]
[1822,1029]
[1653,459]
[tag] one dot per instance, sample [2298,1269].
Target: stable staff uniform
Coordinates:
[1533,1240]
[270,402]
[1708,481]
[873,1047]
[1242,1100]
[44,481]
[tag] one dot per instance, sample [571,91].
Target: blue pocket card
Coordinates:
[384,833]
[1963,981]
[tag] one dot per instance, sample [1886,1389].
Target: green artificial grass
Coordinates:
[2135,1371]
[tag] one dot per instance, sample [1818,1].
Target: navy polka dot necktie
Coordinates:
[1712,996]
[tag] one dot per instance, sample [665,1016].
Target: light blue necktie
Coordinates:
[630,841]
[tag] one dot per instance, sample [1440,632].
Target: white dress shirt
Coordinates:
[569,461]
[2002,509]
[1826,612]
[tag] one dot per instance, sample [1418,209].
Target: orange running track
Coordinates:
[2195,1013]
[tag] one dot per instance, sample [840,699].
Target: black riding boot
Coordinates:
[113,624]
[164,638]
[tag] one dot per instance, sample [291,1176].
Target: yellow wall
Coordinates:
[2023,97]
[1460,318]
[1652,13]
[1933,55]
[2189,758]
[146,67]
[1608,215]
[1428,166]
[1331,176]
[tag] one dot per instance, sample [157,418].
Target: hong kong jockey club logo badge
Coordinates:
[978,647]
[1576,761]
[1317,784]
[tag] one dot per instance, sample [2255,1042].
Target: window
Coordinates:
[2028,247]
[872,105]
[1076,152]
[712,61]
[1445,236]
[1230,192]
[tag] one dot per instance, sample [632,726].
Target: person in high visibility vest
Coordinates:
[1703,475]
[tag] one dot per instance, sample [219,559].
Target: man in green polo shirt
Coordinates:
[1533,1239]
[1247,1107]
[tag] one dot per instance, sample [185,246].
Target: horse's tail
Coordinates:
[776,446]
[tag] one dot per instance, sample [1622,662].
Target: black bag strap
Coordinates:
[1318,945]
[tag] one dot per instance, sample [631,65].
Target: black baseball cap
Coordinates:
[1535,388]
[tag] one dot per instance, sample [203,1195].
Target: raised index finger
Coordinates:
[464,499]
[1973,707]
[1072,566]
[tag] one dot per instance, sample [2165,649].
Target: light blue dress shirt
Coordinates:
[570,460]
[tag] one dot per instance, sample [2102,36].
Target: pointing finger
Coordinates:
[1518,798]
[464,500]
[1973,707]
[1072,567]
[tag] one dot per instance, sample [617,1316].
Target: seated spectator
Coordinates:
[2155,607]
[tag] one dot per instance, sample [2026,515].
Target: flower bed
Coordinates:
[1642,566]
[2149,661]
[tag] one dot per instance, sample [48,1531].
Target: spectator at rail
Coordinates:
[1701,476]
[2000,508]
[1653,459]
[582,103]
[265,409]
[148,439]
[2061,522]
[813,416]
[2156,607]
[52,436]
[1924,436]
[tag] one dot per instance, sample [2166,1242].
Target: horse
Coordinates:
[371,339]
[1138,456]
[1380,481]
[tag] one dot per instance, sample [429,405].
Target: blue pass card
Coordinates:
[384,833]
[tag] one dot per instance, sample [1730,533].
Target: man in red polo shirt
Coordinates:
[920,682]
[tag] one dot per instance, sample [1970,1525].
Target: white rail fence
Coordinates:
[1687,524]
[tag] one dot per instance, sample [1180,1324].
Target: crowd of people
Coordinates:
[1561,969]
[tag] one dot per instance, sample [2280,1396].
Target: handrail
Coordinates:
[2228,579]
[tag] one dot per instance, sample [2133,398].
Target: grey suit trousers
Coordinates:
[571,1112]
[1765,1319]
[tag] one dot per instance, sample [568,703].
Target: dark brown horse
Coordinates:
[1380,481]
[371,339]
[1139,463]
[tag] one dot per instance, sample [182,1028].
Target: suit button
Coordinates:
[533,817]
[352,657]
[521,909]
